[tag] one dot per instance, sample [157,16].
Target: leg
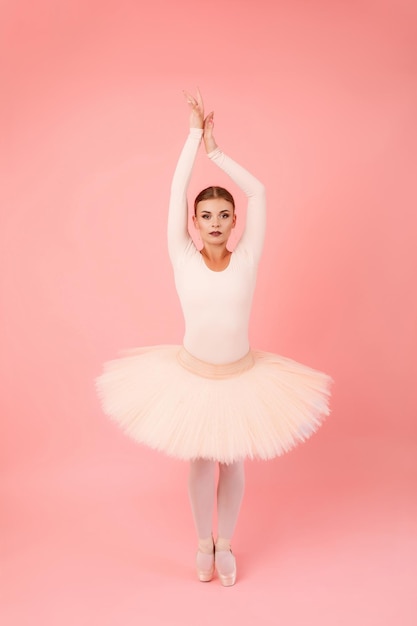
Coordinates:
[201,492]
[229,498]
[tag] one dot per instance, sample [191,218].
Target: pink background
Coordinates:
[319,100]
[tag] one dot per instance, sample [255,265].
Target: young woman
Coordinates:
[213,400]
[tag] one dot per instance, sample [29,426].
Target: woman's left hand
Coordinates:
[208,136]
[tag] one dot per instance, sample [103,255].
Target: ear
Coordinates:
[195,222]
[234,220]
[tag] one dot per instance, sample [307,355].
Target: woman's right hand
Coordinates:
[197,109]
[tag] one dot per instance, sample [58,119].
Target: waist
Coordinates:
[215,370]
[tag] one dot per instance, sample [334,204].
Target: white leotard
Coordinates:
[216,305]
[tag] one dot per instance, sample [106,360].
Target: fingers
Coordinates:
[200,99]
[209,121]
[190,99]
[208,126]
[194,102]
[197,109]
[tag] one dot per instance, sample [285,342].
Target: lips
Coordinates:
[215,233]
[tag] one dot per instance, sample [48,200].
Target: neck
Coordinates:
[215,253]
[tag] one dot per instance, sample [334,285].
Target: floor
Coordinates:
[103,543]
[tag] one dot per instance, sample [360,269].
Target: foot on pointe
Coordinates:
[225,562]
[205,559]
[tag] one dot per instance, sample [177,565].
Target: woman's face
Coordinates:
[214,219]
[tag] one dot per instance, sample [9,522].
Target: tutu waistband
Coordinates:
[213,370]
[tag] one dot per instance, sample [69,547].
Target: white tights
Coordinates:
[230,488]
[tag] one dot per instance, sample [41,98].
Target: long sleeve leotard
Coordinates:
[216,305]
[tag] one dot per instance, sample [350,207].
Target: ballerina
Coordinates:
[214,401]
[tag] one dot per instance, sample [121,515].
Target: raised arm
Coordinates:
[178,236]
[254,232]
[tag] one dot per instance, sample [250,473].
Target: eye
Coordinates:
[225,215]
[205,216]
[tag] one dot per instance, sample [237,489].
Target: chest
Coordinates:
[198,286]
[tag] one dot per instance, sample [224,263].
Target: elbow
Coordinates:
[260,191]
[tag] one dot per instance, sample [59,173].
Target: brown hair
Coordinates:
[213,192]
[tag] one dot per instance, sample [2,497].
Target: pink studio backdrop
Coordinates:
[318,99]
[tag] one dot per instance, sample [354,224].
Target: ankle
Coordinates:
[223,545]
[206,546]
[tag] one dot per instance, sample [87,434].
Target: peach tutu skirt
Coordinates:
[258,407]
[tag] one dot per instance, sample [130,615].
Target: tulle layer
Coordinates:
[259,407]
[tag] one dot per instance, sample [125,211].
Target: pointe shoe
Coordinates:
[205,560]
[225,563]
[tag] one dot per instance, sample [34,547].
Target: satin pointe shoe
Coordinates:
[225,562]
[205,560]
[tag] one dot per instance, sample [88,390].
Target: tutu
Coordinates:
[258,407]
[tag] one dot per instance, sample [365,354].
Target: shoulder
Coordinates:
[243,255]
[189,255]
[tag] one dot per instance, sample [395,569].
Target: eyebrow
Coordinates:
[220,212]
